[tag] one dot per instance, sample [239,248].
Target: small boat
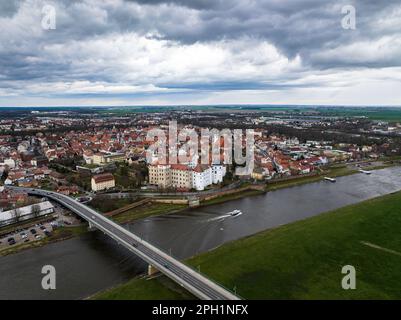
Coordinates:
[330,179]
[365,171]
[235,213]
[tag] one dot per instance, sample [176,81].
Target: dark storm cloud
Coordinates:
[195,4]
[308,29]
[9,7]
[295,27]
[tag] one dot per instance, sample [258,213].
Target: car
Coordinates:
[10,239]
[24,235]
[38,236]
[134,245]
[26,240]
[47,233]
[33,231]
[43,228]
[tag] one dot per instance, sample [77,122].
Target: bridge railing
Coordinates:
[130,233]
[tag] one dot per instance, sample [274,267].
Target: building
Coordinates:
[218,173]
[103,181]
[180,176]
[258,174]
[160,175]
[104,158]
[26,213]
[201,177]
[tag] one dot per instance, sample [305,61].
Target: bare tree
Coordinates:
[17,215]
[35,210]
[13,214]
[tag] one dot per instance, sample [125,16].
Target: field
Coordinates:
[303,260]
[391,114]
[148,210]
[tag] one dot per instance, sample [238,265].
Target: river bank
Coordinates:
[301,260]
[93,262]
[155,209]
[65,233]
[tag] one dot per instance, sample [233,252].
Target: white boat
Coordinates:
[235,213]
[330,179]
[365,171]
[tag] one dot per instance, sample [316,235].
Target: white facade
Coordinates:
[26,212]
[9,162]
[186,177]
[99,184]
[202,179]
[218,173]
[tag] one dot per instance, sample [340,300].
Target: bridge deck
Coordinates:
[187,277]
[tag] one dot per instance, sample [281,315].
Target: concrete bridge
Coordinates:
[193,281]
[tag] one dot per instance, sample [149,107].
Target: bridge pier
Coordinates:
[91,226]
[152,270]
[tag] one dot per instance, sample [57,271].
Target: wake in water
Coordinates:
[233,214]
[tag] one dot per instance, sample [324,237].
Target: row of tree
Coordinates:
[16,213]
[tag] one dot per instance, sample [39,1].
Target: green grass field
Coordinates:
[303,260]
[160,288]
[148,210]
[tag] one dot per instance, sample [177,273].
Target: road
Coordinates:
[193,281]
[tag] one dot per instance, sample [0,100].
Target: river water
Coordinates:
[93,262]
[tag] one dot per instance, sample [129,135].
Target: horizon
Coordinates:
[133,52]
[206,105]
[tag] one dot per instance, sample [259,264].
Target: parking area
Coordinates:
[40,230]
[28,234]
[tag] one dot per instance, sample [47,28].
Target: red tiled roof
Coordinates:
[103,177]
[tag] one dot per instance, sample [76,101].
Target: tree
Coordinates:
[35,210]
[13,214]
[16,215]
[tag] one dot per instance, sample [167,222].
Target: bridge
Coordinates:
[196,283]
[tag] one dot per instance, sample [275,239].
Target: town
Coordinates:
[89,152]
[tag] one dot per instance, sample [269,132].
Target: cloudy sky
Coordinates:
[157,52]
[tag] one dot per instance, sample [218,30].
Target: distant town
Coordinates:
[100,158]
[88,152]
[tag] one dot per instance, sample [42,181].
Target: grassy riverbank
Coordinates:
[331,172]
[303,260]
[160,288]
[231,197]
[147,210]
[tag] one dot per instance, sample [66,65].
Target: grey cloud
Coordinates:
[297,28]
[8,8]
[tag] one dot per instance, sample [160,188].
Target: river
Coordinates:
[93,262]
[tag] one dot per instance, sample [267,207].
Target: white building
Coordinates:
[103,182]
[25,213]
[182,176]
[10,163]
[201,177]
[218,173]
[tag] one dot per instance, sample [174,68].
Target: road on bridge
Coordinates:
[193,281]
